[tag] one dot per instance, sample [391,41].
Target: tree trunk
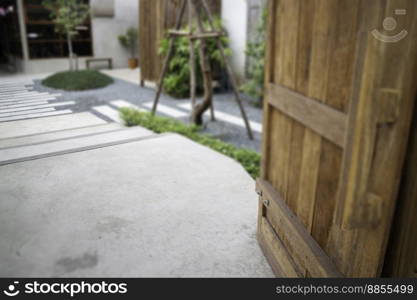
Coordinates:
[200,109]
[71,53]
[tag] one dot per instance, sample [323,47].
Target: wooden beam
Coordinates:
[179,32]
[277,255]
[299,243]
[323,119]
[194,36]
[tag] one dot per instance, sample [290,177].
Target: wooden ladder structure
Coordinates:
[202,35]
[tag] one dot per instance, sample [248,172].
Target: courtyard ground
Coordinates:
[228,127]
[83,196]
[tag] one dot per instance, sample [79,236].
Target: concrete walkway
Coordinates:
[33,100]
[80,197]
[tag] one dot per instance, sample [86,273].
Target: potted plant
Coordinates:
[128,41]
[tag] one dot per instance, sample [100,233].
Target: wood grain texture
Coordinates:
[275,251]
[375,150]
[401,260]
[324,120]
[310,255]
[269,77]
[339,105]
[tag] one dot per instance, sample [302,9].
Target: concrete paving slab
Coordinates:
[59,135]
[12,155]
[124,104]
[16,90]
[22,107]
[13,87]
[166,110]
[22,104]
[36,115]
[19,95]
[19,113]
[50,124]
[164,207]
[31,94]
[5,83]
[108,112]
[34,98]
[25,102]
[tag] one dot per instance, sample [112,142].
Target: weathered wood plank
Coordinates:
[308,178]
[285,72]
[326,192]
[305,29]
[323,19]
[309,253]
[269,77]
[375,151]
[342,44]
[324,120]
[339,47]
[401,260]
[276,253]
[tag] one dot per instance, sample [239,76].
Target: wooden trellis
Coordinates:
[198,8]
[156,17]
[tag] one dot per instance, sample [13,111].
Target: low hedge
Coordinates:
[249,159]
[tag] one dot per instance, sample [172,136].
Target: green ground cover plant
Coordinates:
[250,160]
[77,80]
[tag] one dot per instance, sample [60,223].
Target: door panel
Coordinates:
[337,111]
[401,260]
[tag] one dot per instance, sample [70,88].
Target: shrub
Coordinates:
[249,159]
[177,79]
[77,80]
[129,40]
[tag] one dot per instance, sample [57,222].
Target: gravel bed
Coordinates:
[123,90]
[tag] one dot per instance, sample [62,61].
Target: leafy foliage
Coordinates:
[250,160]
[256,52]
[77,80]
[129,39]
[177,80]
[67,15]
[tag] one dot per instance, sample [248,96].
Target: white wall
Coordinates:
[107,29]
[48,65]
[105,32]
[235,18]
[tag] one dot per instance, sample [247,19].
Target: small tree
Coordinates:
[67,16]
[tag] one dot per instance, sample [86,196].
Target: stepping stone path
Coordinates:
[19,102]
[131,202]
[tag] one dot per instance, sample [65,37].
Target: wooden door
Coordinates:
[337,113]
[401,260]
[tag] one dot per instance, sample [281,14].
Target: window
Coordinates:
[45,42]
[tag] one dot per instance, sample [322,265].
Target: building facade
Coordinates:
[42,49]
